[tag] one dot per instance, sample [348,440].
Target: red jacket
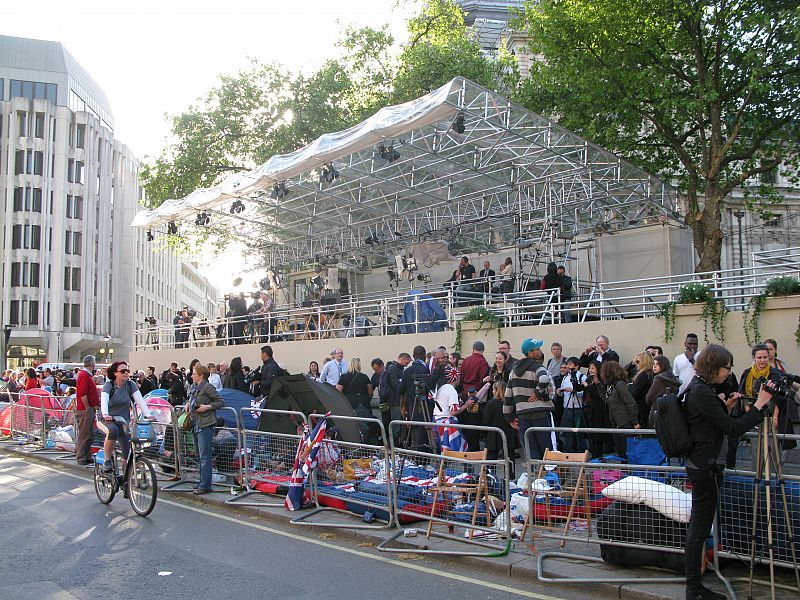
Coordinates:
[85,386]
[474,369]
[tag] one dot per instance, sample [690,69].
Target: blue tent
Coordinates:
[237,400]
[425,311]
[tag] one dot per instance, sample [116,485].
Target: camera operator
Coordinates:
[237,313]
[572,388]
[413,391]
[709,421]
[268,370]
[753,379]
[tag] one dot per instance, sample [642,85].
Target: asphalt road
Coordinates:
[59,543]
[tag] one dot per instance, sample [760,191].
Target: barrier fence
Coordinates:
[449,490]
[353,478]
[165,450]
[41,423]
[227,455]
[268,457]
[645,504]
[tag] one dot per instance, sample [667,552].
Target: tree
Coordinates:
[701,92]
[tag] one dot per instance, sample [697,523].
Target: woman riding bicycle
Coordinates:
[115,401]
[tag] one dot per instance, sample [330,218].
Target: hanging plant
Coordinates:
[797,332]
[752,317]
[713,313]
[486,320]
[785,285]
[666,311]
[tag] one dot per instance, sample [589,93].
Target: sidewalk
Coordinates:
[519,565]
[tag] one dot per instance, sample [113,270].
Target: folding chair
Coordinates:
[574,486]
[480,489]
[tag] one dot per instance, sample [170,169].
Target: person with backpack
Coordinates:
[708,421]
[664,381]
[389,390]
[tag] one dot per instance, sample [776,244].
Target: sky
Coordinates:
[155,58]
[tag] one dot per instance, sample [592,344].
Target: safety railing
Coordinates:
[268,456]
[451,490]
[165,450]
[227,455]
[368,315]
[41,422]
[353,478]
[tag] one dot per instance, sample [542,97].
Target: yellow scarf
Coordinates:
[752,376]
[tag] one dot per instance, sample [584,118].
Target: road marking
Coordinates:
[360,553]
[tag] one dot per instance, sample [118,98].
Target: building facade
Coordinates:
[70,190]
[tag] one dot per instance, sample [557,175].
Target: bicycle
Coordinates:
[139,478]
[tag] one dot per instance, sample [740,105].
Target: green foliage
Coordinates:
[693,293]
[266,110]
[752,317]
[485,318]
[666,311]
[713,314]
[785,285]
[797,332]
[700,92]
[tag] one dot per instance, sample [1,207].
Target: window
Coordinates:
[13,318]
[73,241]
[33,312]
[71,170]
[75,207]
[78,171]
[26,236]
[80,136]
[38,126]
[76,315]
[38,163]
[27,162]
[15,270]
[28,199]
[22,123]
[33,89]
[76,279]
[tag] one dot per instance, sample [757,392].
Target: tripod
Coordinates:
[768,465]
[419,412]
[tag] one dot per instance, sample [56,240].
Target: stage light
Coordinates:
[202,219]
[329,174]
[172,228]
[458,123]
[279,190]
[237,207]
[388,154]
[369,241]
[150,236]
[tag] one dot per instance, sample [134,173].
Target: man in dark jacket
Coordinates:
[389,391]
[269,370]
[416,372]
[601,351]
[526,403]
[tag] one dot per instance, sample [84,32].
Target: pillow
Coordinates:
[666,499]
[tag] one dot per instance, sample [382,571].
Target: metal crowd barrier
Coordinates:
[35,427]
[227,455]
[434,488]
[353,479]
[165,450]
[268,458]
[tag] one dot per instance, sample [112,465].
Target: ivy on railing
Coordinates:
[713,312]
[784,285]
[484,317]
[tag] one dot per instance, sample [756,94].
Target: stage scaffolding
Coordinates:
[461,164]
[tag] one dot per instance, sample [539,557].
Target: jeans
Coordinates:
[539,440]
[203,442]
[705,497]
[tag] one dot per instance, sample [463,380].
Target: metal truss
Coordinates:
[482,173]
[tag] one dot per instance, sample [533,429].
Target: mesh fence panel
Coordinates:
[268,458]
[353,478]
[463,496]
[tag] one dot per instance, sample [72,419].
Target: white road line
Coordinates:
[362,554]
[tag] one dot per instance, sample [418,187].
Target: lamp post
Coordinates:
[739,214]
[105,352]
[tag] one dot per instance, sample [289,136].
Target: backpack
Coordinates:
[384,391]
[672,425]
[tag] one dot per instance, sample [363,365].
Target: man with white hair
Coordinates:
[87,400]
[334,368]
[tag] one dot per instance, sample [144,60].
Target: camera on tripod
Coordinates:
[421,387]
[783,385]
[151,321]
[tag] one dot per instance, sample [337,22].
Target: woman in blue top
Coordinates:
[115,401]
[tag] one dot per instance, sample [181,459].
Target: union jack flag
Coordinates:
[450,437]
[304,462]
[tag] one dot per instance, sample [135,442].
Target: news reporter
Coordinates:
[709,422]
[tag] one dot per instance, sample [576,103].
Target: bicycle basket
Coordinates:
[143,433]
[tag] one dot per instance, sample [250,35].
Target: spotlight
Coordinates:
[371,240]
[202,219]
[150,236]
[329,174]
[237,207]
[458,123]
[279,190]
[388,154]
[172,228]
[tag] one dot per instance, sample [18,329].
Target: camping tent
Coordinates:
[237,400]
[301,394]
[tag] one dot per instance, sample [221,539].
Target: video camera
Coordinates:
[150,320]
[421,386]
[254,375]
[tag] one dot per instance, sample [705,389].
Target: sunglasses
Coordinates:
[124,371]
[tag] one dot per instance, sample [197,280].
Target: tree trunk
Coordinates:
[707,231]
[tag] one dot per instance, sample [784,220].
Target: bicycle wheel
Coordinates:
[103,484]
[142,486]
